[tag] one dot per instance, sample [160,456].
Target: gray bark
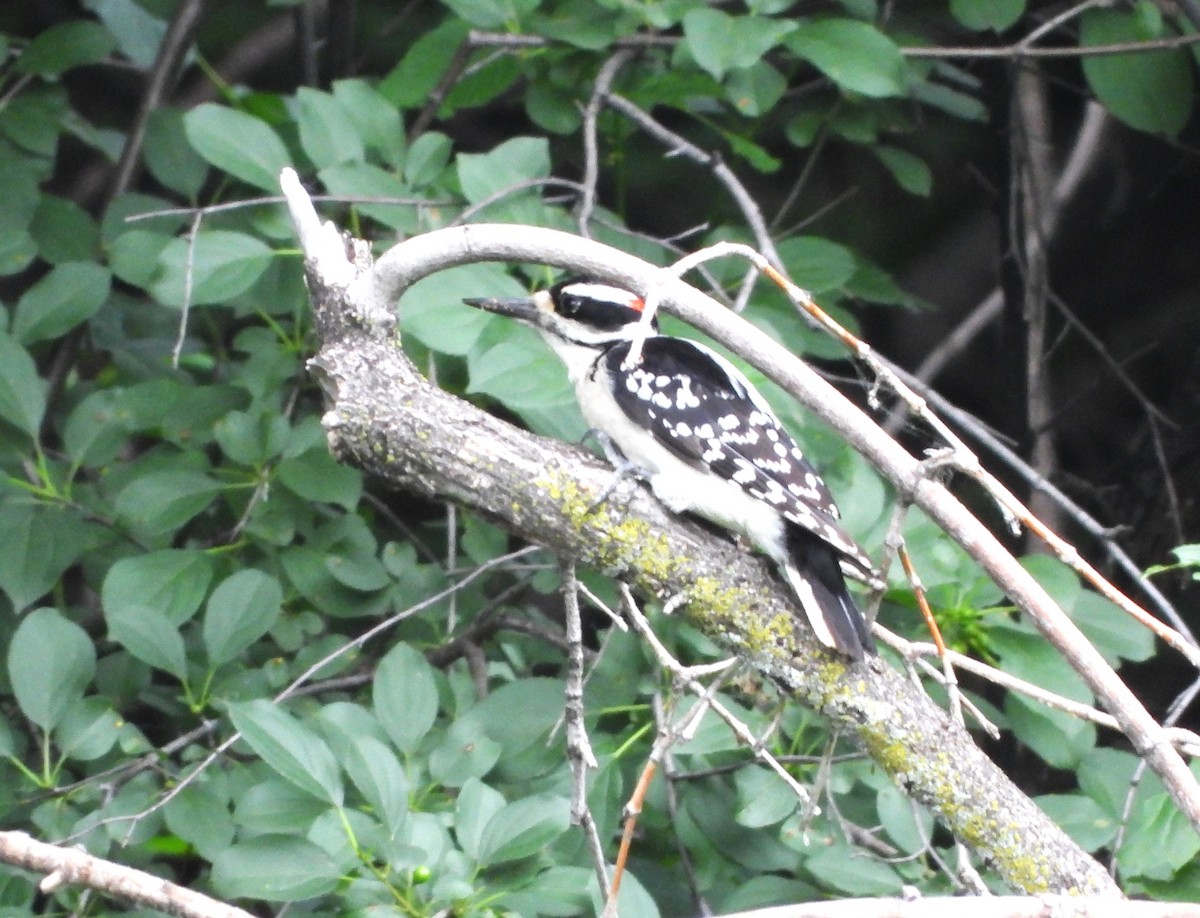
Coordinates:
[385,418]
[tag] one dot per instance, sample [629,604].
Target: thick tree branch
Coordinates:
[979,907]
[374,292]
[385,418]
[69,865]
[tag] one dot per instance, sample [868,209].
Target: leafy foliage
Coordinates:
[178,547]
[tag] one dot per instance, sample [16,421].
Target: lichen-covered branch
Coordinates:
[376,290]
[385,418]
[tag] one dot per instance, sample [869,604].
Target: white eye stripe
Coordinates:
[604,293]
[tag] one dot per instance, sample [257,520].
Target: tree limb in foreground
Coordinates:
[385,418]
[70,865]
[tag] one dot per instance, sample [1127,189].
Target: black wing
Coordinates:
[705,411]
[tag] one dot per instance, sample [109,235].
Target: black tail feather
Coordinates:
[816,578]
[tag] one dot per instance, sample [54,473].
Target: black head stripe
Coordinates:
[597,305]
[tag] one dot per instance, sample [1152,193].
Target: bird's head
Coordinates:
[578,311]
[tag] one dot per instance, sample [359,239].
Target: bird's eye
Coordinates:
[569,305]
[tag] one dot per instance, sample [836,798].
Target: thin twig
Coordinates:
[681,145]
[591,147]
[1185,740]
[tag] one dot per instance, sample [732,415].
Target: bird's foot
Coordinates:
[623,467]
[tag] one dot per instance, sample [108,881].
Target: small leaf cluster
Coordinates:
[178,549]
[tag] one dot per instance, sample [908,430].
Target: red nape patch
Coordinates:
[637,304]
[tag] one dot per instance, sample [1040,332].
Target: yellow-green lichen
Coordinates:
[625,542]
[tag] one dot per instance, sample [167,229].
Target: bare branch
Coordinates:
[69,865]
[436,445]
[423,255]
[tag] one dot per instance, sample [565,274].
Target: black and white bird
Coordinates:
[707,442]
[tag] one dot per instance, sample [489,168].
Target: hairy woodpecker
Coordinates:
[707,442]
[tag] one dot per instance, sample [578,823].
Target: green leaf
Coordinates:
[464,753]
[1160,840]
[139,33]
[562,892]
[419,71]
[22,391]
[433,312]
[519,372]
[1105,775]
[150,636]
[241,609]
[754,154]
[223,264]
[518,714]
[427,159]
[763,799]
[64,231]
[134,256]
[478,86]
[1059,738]
[327,132]
[274,868]
[955,103]
[720,42]
[523,828]
[764,890]
[491,14]
[36,545]
[88,729]
[1188,555]
[199,816]
[551,108]
[362,572]
[67,45]
[291,749]
[369,180]
[512,162]
[839,866]
[317,477]
[277,806]
[34,120]
[1148,90]
[173,582]
[169,156]
[996,15]
[1117,636]
[856,56]
[1081,818]
[817,264]
[584,24]
[404,695]
[50,662]
[755,90]
[910,172]
[477,804]
[379,777]
[376,119]
[161,502]
[251,437]
[62,299]
[240,144]
[908,825]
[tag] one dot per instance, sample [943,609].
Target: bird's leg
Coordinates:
[624,467]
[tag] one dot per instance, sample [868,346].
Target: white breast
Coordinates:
[678,484]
